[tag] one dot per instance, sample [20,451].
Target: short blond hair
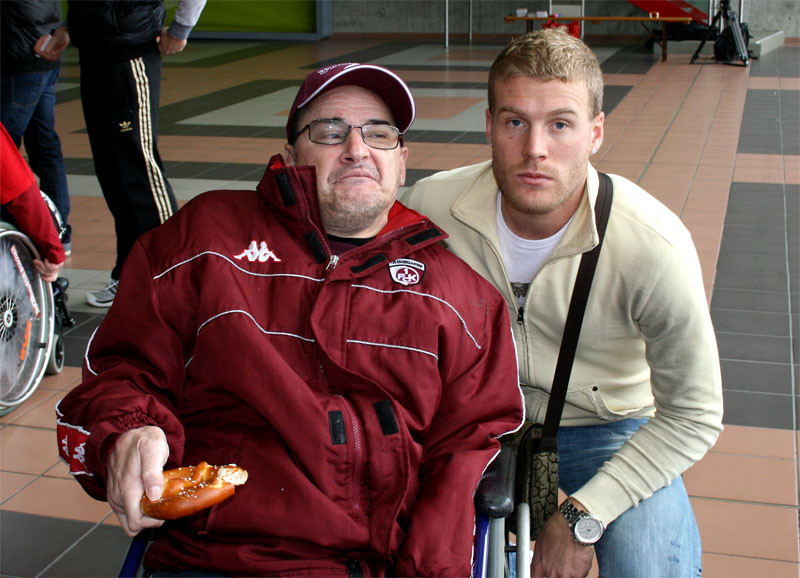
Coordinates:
[549,54]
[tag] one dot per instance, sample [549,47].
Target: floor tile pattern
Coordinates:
[718,144]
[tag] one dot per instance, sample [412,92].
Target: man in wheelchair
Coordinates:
[315,333]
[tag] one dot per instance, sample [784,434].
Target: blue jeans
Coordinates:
[27,110]
[659,537]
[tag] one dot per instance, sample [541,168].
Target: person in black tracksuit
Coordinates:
[120,44]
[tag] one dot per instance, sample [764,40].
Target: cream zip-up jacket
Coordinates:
[647,347]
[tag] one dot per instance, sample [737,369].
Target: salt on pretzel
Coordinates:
[193,488]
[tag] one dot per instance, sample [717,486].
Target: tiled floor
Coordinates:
[719,144]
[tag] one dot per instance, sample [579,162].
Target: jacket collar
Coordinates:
[477,209]
[291,192]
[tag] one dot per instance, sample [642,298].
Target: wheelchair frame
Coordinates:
[28,319]
[33,313]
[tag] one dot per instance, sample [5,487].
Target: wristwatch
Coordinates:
[586,528]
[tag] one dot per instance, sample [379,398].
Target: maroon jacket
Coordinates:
[363,397]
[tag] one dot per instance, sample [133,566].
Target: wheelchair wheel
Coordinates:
[26,320]
[55,363]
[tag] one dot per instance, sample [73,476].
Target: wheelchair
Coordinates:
[33,314]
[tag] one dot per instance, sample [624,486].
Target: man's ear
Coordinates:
[403,161]
[489,126]
[291,156]
[598,130]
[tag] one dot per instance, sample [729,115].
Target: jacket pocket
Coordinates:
[591,398]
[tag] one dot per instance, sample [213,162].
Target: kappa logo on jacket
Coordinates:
[258,252]
[407,271]
[79,454]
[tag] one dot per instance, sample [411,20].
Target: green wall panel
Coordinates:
[295,16]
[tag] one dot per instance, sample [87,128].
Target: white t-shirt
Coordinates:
[523,257]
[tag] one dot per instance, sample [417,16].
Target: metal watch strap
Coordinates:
[570,512]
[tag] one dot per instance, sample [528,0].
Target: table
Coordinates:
[529,20]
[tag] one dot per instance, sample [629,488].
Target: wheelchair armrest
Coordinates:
[495,494]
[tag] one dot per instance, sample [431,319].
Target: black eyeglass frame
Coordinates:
[347,134]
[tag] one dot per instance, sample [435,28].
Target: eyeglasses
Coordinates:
[327,131]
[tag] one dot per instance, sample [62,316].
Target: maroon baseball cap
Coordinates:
[382,81]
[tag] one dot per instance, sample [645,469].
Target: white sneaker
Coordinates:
[103,297]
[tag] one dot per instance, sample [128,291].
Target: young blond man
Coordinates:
[644,400]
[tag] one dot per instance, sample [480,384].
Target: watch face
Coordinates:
[588,530]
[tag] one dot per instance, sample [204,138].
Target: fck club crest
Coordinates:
[407,271]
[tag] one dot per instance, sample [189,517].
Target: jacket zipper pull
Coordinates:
[334,260]
[520,314]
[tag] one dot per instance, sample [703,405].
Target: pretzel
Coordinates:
[193,488]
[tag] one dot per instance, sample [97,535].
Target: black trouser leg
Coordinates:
[120,103]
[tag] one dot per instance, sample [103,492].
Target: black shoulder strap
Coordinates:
[577,307]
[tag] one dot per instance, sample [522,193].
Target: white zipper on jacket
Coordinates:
[332,262]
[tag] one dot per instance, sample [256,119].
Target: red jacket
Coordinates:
[363,397]
[21,197]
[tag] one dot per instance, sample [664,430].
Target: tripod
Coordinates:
[731,21]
